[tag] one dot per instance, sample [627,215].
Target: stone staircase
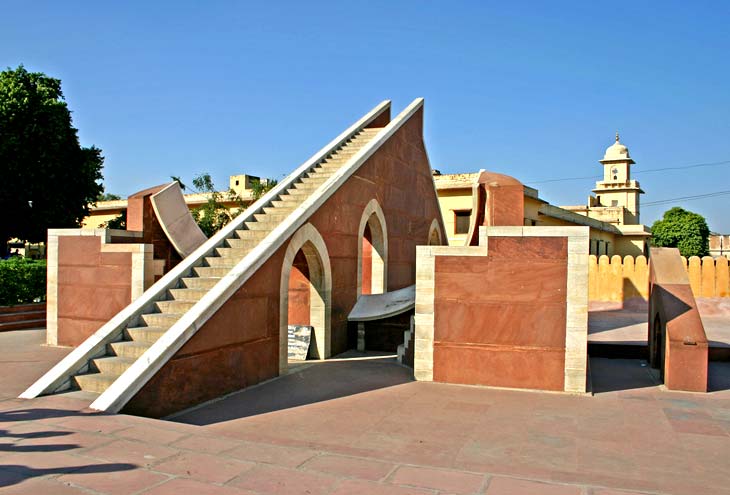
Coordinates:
[141,334]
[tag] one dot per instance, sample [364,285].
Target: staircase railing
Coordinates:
[142,370]
[59,377]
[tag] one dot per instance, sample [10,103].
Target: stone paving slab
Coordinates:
[385,434]
[609,322]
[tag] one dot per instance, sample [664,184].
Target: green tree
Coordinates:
[259,188]
[108,197]
[48,180]
[119,222]
[214,214]
[682,229]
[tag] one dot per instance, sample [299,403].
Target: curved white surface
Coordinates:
[371,307]
[176,220]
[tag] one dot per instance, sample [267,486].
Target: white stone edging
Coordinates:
[134,378]
[57,378]
[576,329]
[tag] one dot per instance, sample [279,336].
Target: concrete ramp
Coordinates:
[176,220]
[182,343]
[371,307]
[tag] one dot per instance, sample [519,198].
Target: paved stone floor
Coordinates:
[610,323]
[363,427]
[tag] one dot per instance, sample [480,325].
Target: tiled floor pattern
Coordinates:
[364,428]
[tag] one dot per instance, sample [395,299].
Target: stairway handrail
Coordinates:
[58,377]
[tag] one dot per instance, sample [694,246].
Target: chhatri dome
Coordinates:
[616,151]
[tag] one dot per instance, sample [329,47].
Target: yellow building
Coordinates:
[241,185]
[612,215]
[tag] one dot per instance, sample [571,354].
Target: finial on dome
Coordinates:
[617,136]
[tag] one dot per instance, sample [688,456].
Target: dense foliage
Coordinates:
[259,188]
[22,280]
[214,214]
[48,179]
[684,230]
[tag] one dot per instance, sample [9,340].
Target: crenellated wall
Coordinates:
[619,280]
[708,276]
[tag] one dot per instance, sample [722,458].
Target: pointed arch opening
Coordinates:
[434,234]
[372,256]
[305,294]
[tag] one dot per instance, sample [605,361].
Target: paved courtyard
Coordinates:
[611,323]
[363,427]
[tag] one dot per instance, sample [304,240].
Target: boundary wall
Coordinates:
[619,280]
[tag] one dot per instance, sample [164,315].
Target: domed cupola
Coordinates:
[617,152]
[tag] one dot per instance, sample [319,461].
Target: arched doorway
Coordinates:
[372,259]
[305,296]
[434,234]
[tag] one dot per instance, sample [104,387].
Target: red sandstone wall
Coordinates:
[674,315]
[92,287]
[299,291]
[367,262]
[141,217]
[500,319]
[238,346]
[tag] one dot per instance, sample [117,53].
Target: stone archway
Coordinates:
[372,251]
[307,247]
[434,234]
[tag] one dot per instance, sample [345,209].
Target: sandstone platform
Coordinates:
[363,427]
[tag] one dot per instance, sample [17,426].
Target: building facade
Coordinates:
[613,214]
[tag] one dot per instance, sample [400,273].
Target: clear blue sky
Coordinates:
[532,89]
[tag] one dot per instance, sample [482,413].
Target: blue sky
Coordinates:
[532,89]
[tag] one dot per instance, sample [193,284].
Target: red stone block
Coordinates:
[360,487]
[203,467]
[281,481]
[180,486]
[500,366]
[138,453]
[114,482]
[272,454]
[35,486]
[456,482]
[350,467]
[512,486]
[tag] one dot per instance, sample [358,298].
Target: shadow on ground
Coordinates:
[11,474]
[718,377]
[325,380]
[612,375]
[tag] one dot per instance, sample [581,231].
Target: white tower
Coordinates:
[617,190]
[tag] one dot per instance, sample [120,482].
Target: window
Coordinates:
[461,221]
[614,202]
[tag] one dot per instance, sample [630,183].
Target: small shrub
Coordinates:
[22,280]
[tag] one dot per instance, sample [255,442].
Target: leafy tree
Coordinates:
[119,222]
[214,214]
[108,197]
[259,188]
[48,180]
[682,229]
[175,178]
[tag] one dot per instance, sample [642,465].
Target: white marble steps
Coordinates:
[103,371]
